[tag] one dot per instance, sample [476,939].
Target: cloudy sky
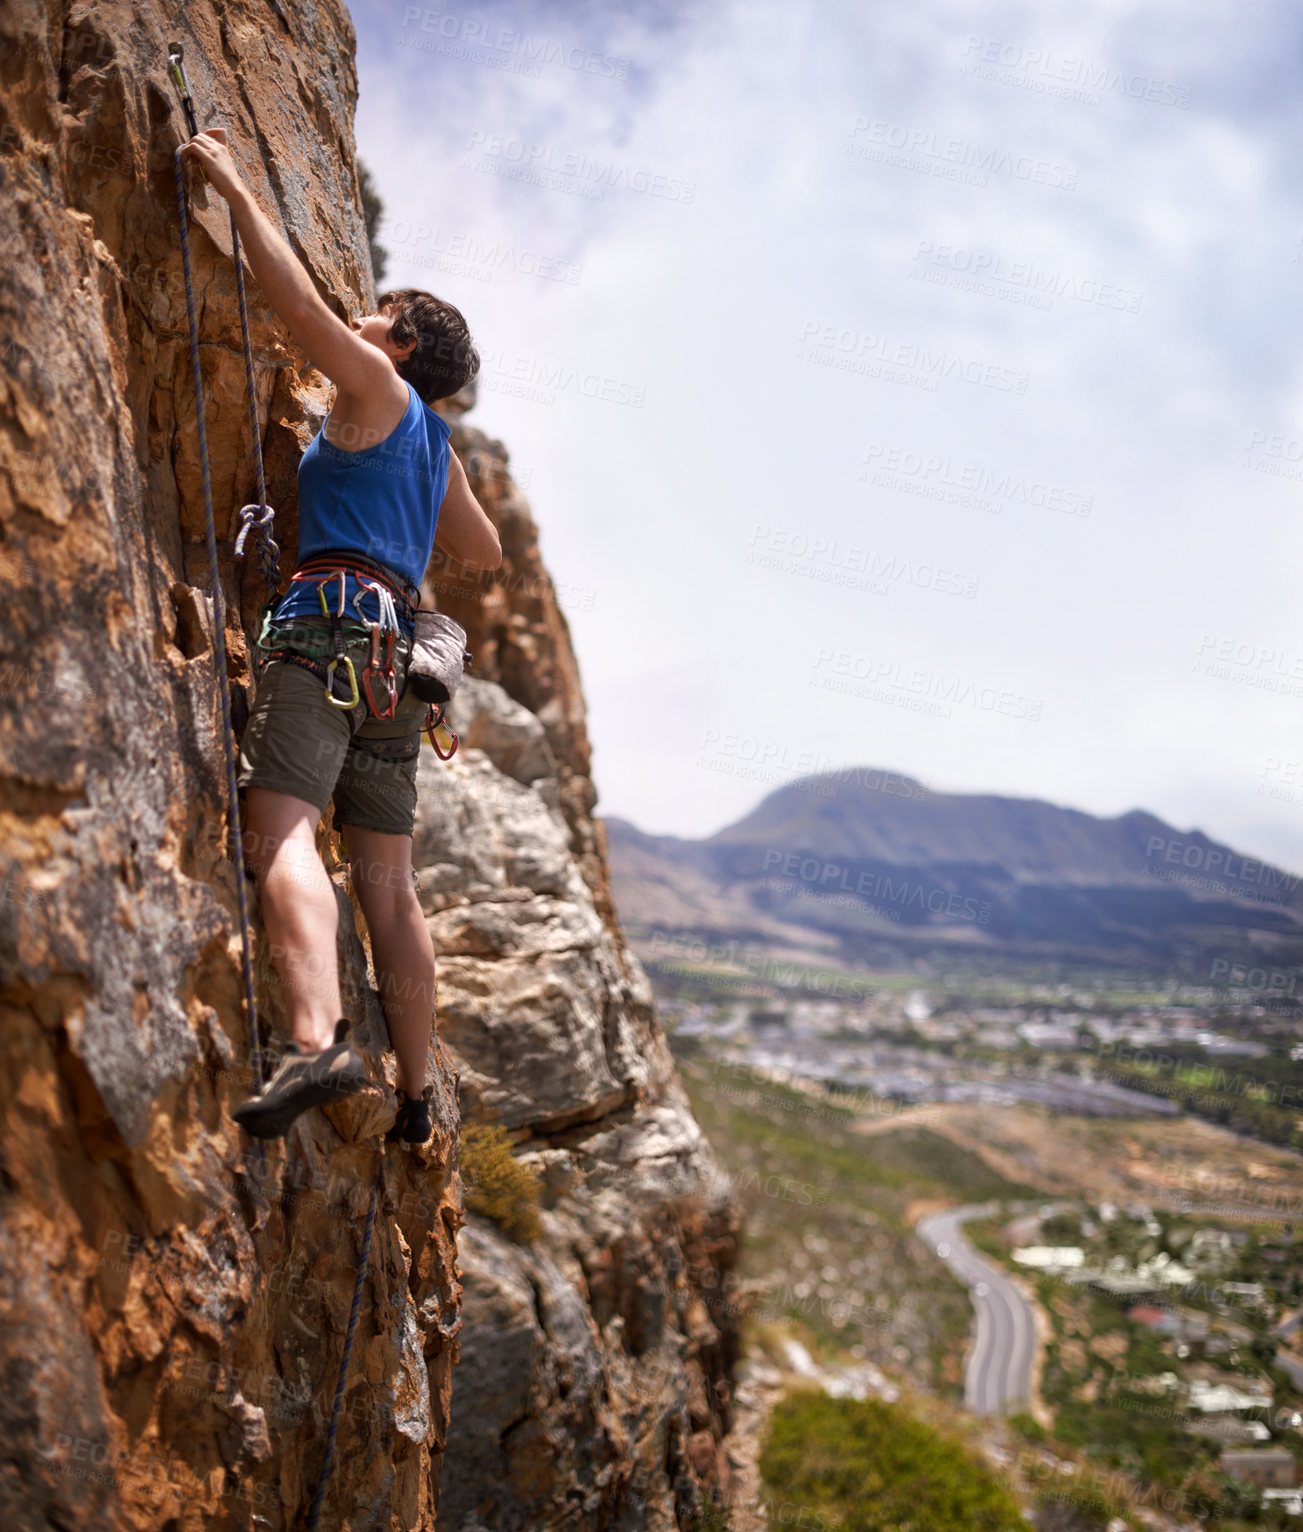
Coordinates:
[906,386]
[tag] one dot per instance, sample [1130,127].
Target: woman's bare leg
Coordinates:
[299,910]
[381,867]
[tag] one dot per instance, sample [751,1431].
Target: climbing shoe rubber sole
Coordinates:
[300,1082]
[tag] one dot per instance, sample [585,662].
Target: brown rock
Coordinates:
[174,1299]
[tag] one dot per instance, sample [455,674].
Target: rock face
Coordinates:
[174,1301]
[593,1385]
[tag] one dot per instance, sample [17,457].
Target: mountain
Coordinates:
[871,865]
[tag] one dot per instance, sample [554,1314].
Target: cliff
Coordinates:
[174,1299]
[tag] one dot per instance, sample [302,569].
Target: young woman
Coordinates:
[378,488]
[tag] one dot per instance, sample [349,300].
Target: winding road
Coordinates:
[998,1377]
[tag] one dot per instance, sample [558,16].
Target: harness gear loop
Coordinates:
[434,719]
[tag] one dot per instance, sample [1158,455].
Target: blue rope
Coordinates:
[254,516]
[219,623]
[326,1461]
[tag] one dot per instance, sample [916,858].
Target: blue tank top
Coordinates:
[382,502]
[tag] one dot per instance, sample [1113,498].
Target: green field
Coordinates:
[826,1205]
[867,1466]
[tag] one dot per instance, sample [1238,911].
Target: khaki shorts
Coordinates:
[296,742]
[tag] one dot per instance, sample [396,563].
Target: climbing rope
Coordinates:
[219,614]
[257,519]
[328,1458]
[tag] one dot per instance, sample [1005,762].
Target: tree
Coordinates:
[372,211]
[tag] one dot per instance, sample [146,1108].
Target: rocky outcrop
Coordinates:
[173,1301]
[593,1384]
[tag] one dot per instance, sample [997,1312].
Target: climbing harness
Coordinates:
[391,597]
[439,654]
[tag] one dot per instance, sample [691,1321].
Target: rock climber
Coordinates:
[379,486]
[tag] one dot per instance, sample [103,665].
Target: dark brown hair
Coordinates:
[445,358]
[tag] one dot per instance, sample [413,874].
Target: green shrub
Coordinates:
[711,1517]
[497,1185]
[866,1466]
[1061,1229]
[1028,1428]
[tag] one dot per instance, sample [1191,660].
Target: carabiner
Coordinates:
[386,671]
[337,641]
[434,719]
[343,592]
[352,681]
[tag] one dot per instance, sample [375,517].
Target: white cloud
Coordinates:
[1149,409]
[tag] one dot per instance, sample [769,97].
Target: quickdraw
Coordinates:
[434,720]
[383,634]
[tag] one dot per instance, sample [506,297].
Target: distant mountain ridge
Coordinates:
[865,862]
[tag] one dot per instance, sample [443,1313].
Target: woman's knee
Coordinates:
[385,891]
[279,831]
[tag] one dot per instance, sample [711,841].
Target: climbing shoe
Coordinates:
[302,1080]
[412,1125]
